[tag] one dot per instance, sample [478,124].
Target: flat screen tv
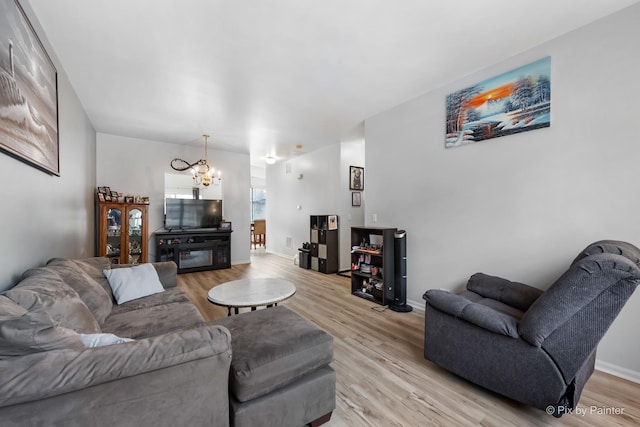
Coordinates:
[183,214]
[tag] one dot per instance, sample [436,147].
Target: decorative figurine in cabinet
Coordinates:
[122,232]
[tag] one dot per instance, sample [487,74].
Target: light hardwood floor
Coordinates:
[382,376]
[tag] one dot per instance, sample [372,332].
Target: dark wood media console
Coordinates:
[195,250]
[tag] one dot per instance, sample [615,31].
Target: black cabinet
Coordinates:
[324,238]
[195,250]
[373,263]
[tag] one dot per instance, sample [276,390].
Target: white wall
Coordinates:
[137,166]
[351,154]
[258,176]
[46,216]
[316,194]
[323,190]
[521,206]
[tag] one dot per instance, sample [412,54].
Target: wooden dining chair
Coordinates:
[260,233]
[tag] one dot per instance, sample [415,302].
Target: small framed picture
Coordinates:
[225,226]
[356,198]
[145,200]
[107,190]
[101,197]
[107,197]
[128,198]
[333,222]
[138,199]
[114,196]
[356,178]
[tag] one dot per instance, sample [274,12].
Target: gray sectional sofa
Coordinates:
[264,368]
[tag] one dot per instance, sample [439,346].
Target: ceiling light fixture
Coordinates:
[202,172]
[270,160]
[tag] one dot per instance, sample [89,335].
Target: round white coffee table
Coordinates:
[251,293]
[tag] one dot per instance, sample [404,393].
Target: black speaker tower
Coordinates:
[400,270]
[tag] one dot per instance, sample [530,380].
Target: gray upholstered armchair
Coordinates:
[535,347]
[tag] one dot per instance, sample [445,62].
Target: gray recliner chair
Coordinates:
[536,347]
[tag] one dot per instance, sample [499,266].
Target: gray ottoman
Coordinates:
[280,373]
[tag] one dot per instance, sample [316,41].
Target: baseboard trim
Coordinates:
[416,305]
[618,371]
[290,257]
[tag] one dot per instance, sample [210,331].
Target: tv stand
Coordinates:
[195,250]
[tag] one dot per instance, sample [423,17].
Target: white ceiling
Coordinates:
[262,76]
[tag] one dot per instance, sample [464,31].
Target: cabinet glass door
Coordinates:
[114,233]
[135,236]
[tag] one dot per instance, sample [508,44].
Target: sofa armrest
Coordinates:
[480,315]
[46,374]
[167,272]
[517,295]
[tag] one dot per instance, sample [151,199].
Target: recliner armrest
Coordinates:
[480,315]
[515,294]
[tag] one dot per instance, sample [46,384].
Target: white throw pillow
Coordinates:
[99,340]
[129,283]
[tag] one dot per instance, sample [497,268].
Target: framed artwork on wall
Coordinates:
[513,102]
[356,198]
[356,178]
[28,93]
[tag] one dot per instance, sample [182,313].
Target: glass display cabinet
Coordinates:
[122,232]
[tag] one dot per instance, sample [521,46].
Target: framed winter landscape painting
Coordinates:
[28,93]
[513,102]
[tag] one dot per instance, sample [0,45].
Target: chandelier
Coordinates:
[202,172]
